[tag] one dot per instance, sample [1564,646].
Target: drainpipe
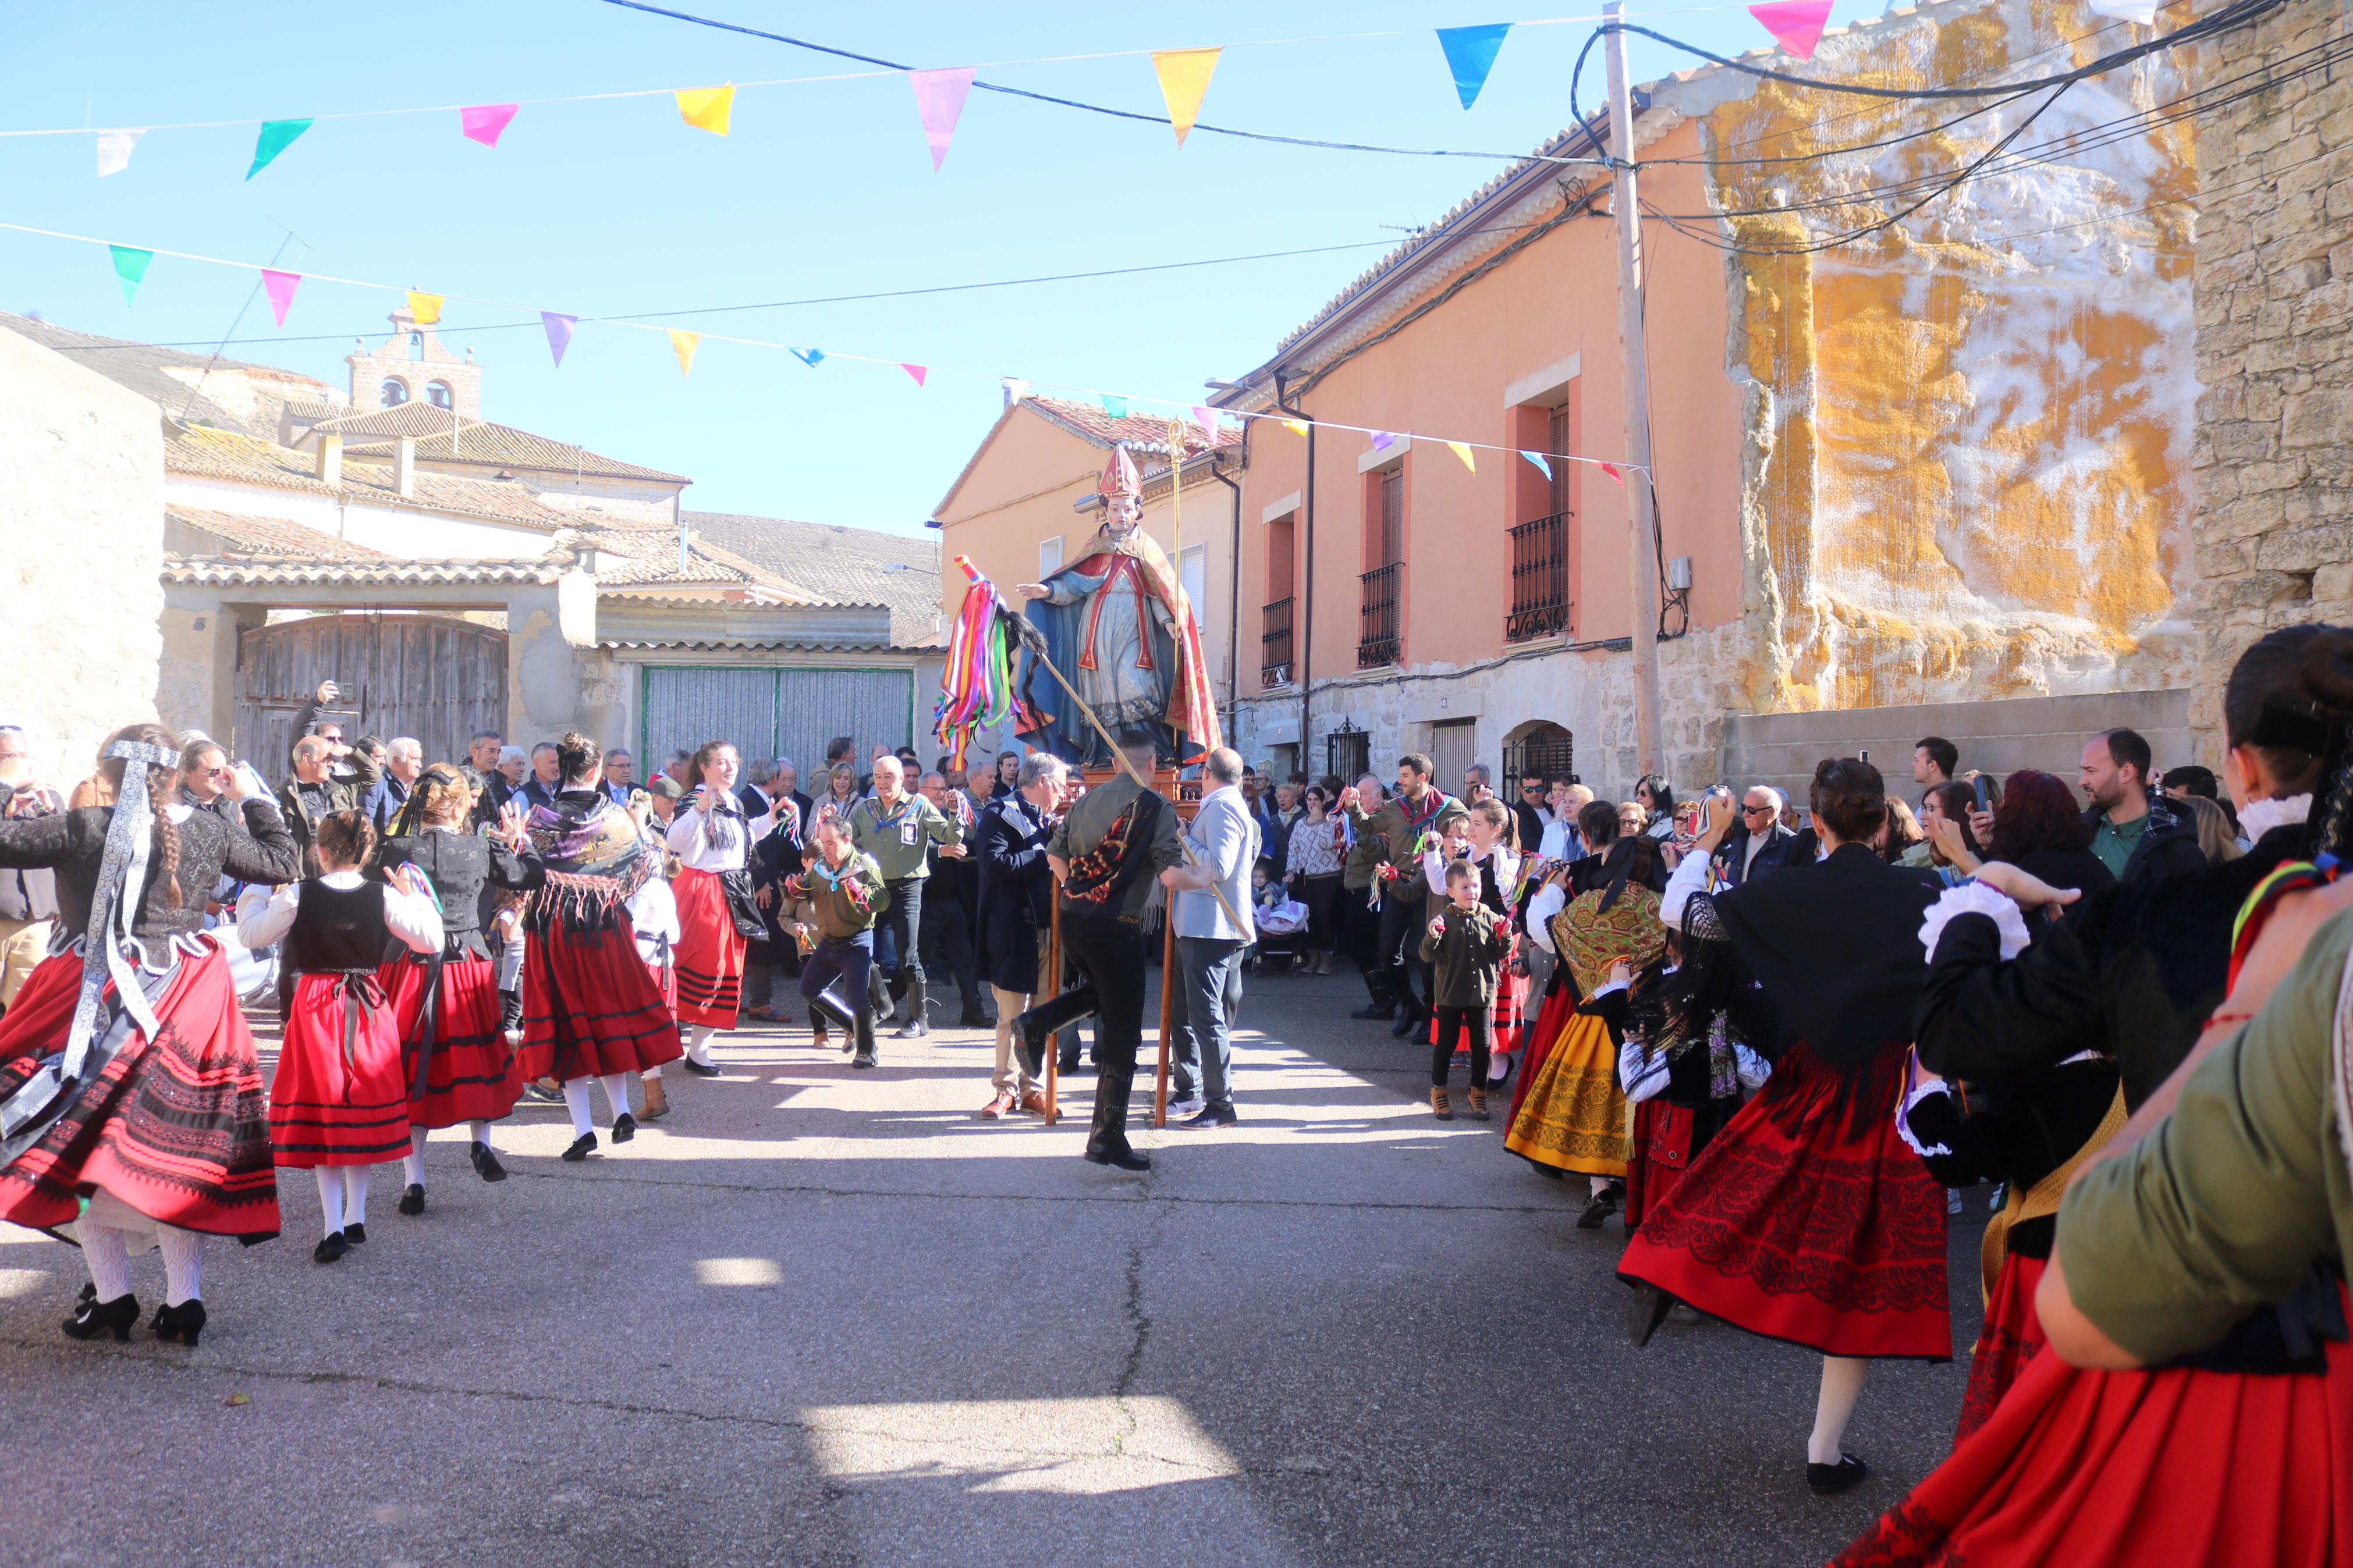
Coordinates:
[1234,601]
[1304,649]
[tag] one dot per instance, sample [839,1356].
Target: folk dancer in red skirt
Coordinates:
[460,1064]
[131,1111]
[713,840]
[2239,1451]
[339,1105]
[590,1007]
[1807,1219]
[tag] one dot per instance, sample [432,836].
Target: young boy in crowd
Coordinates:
[844,887]
[1465,944]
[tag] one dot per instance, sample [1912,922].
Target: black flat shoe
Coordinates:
[412,1202]
[913,1029]
[1405,1026]
[1645,1312]
[1211,1116]
[581,1147]
[329,1250]
[355,1232]
[862,1061]
[486,1164]
[625,1127]
[1823,1480]
[976,1021]
[94,1317]
[181,1325]
[1120,1159]
[699,1069]
[89,1292]
[1597,1213]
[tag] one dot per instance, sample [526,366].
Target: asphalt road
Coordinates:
[818,1317]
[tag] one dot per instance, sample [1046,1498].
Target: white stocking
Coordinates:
[1841,1386]
[109,1259]
[355,1187]
[698,1044]
[331,1196]
[480,1132]
[184,1264]
[576,1100]
[616,1089]
[1601,1185]
[412,1165]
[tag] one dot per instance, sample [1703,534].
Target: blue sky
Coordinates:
[614,207]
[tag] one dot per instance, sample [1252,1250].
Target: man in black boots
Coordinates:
[1105,854]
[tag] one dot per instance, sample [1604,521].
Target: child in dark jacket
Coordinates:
[1465,944]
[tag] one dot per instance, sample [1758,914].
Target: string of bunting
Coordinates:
[131,264]
[1183,75]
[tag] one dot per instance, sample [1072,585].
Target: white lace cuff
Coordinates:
[1974,898]
[1903,1120]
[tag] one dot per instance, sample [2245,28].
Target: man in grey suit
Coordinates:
[1224,838]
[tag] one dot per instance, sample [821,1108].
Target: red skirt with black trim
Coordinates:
[1808,1219]
[177,1126]
[1551,1019]
[473,1076]
[2182,1466]
[327,1108]
[709,957]
[590,1006]
[2012,1336]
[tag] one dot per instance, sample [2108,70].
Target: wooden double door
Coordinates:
[436,680]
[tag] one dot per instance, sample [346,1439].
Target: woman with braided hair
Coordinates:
[458,1065]
[139,1121]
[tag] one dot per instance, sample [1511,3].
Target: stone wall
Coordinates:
[2274,444]
[81,546]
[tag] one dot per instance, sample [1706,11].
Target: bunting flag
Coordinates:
[425,308]
[131,269]
[1114,406]
[559,333]
[280,287]
[483,121]
[1296,426]
[683,345]
[939,101]
[707,107]
[1464,452]
[1383,440]
[1544,465]
[277,135]
[2141,11]
[809,357]
[917,370]
[1184,82]
[1796,25]
[114,151]
[1207,418]
[1470,54]
[1612,470]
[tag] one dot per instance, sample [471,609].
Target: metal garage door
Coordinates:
[774,712]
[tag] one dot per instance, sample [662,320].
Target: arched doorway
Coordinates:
[438,680]
[1540,748]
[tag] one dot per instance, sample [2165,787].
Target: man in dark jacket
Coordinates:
[2135,834]
[313,792]
[946,938]
[1015,893]
[1758,843]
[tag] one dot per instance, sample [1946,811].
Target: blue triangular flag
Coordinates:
[1543,467]
[1470,54]
[808,357]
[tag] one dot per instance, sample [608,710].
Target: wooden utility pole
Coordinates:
[1640,503]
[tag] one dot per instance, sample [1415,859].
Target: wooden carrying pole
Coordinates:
[1053,1046]
[1167,996]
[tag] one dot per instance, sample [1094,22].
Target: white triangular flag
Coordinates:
[2141,11]
[115,150]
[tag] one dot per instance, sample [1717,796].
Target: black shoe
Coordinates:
[1382,1010]
[329,1250]
[581,1147]
[1118,1156]
[972,1020]
[913,1029]
[699,1069]
[862,1035]
[625,1127]
[94,1317]
[89,1292]
[180,1325]
[355,1232]
[1644,1314]
[864,1059]
[412,1202]
[1407,1025]
[1067,1064]
[486,1164]
[1597,1213]
[1212,1116]
[1823,1480]
[544,1095]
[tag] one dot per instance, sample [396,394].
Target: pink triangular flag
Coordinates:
[1796,25]
[1207,420]
[483,121]
[939,100]
[1612,470]
[917,370]
[281,286]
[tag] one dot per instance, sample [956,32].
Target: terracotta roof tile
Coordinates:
[225,455]
[543,569]
[269,536]
[492,446]
[1146,433]
[847,565]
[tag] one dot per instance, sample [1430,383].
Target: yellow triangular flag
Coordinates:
[1296,426]
[707,107]
[1183,79]
[1464,452]
[683,345]
[425,308]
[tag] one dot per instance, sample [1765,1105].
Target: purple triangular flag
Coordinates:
[939,100]
[559,332]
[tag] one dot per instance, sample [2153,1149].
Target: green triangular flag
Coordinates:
[276,136]
[131,269]
[1114,406]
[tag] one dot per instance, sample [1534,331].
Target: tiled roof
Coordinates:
[847,565]
[225,455]
[492,446]
[269,536]
[412,418]
[539,569]
[142,368]
[1143,433]
[645,557]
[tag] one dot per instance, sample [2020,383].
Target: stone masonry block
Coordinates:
[2314,419]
